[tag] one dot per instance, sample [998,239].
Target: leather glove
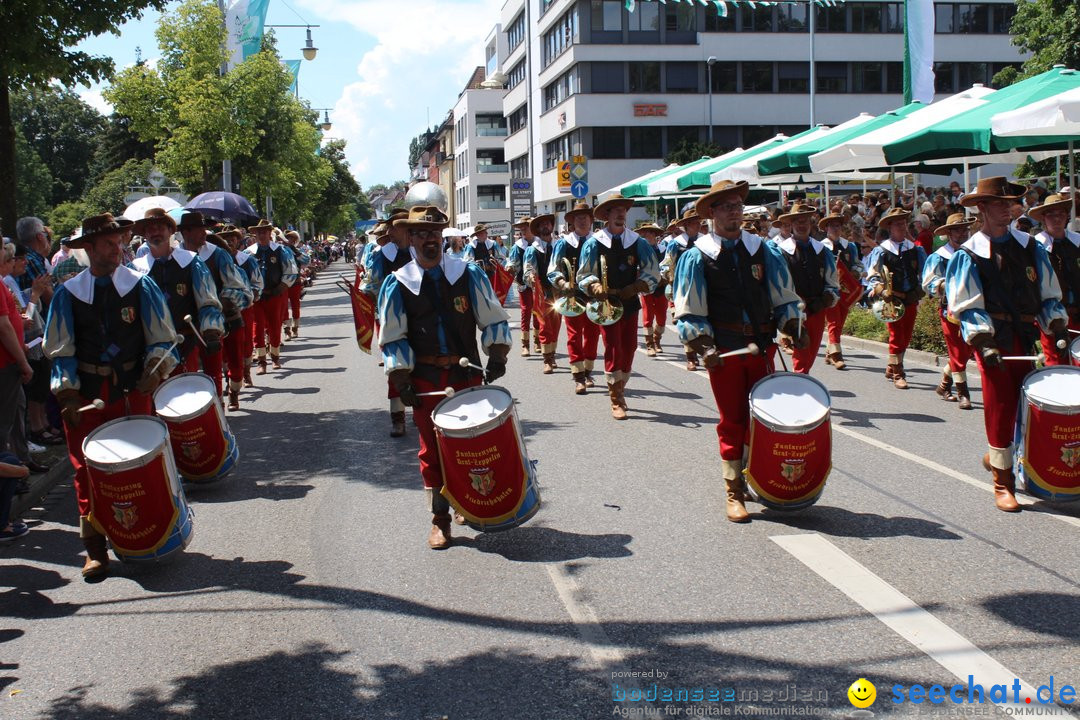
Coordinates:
[815,306]
[711,358]
[633,290]
[595,290]
[213,341]
[702,344]
[402,381]
[70,402]
[987,348]
[1060,330]
[562,286]
[496,368]
[801,340]
[149,381]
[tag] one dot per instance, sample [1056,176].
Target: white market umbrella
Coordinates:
[137,210]
[1058,115]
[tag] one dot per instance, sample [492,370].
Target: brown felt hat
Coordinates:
[535,222]
[192,219]
[705,203]
[522,222]
[831,217]
[797,210]
[580,208]
[154,215]
[1052,202]
[93,227]
[601,211]
[424,217]
[264,224]
[956,220]
[893,214]
[993,188]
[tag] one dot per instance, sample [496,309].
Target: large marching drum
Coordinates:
[1048,434]
[487,475]
[135,496]
[790,440]
[204,448]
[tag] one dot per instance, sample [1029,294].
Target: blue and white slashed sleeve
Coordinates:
[782,295]
[832,281]
[1049,289]
[158,329]
[234,284]
[933,276]
[648,264]
[206,299]
[588,270]
[490,316]
[964,291]
[690,295]
[556,268]
[289,272]
[394,328]
[59,342]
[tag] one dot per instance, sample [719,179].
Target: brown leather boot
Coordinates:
[262,366]
[944,389]
[618,406]
[658,333]
[579,383]
[440,538]
[525,345]
[247,375]
[650,347]
[836,359]
[1005,490]
[97,557]
[736,499]
[962,395]
[691,361]
[276,359]
[536,343]
[589,382]
[549,363]
[397,424]
[234,400]
[899,380]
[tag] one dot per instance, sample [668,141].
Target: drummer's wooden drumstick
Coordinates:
[464,362]
[189,321]
[98,404]
[751,349]
[176,341]
[1074,332]
[801,306]
[1025,358]
[447,391]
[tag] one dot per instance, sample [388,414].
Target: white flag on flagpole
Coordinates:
[919,51]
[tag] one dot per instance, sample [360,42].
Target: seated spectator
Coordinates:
[11,472]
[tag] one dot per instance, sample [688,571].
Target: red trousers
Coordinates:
[247,333]
[835,317]
[294,297]
[1050,349]
[620,344]
[268,317]
[430,467]
[582,337]
[550,324]
[654,310]
[116,406]
[803,360]
[1001,395]
[526,300]
[731,385]
[959,351]
[232,347]
[900,331]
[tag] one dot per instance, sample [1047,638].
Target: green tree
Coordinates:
[687,151]
[342,201]
[67,216]
[64,131]
[117,145]
[35,182]
[37,48]
[107,195]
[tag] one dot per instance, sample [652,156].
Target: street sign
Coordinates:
[521,197]
[579,168]
[579,189]
[564,176]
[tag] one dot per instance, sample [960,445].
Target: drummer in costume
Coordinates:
[292,325]
[955,230]
[654,305]
[537,260]
[813,269]
[999,285]
[732,289]
[279,273]
[229,239]
[515,263]
[430,311]
[846,254]
[188,288]
[392,253]
[582,335]
[895,276]
[1064,248]
[483,251]
[631,268]
[688,229]
[107,329]
[234,294]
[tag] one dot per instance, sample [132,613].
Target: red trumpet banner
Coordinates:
[501,283]
[363,310]
[850,287]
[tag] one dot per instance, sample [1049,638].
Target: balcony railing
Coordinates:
[493,168]
[491,204]
[491,132]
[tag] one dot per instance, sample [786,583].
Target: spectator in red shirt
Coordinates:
[924,237]
[14,368]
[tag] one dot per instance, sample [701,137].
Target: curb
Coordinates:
[41,485]
[920,357]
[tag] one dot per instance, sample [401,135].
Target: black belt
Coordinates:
[442,362]
[746,328]
[103,370]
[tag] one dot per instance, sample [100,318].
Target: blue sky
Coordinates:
[385,68]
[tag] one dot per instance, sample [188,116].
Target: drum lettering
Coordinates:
[144,533]
[489,501]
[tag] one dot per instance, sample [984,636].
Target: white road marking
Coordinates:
[940,642]
[589,628]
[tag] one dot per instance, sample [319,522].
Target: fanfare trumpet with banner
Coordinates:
[604,310]
[568,304]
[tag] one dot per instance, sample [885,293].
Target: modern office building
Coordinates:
[588,78]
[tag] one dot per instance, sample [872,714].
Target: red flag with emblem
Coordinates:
[502,282]
[363,311]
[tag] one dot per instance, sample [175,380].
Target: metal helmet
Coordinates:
[426,193]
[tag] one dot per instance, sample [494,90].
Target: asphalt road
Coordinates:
[309,592]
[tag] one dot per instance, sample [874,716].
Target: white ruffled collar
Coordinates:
[1048,242]
[710,244]
[829,243]
[788,245]
[254,249]
[890,246]
[412,275]
[182,257]
[573,239]
[242,257]
[206,251]
[520,242]
[979,243]
[124,279]
[602,236]
[945,251]
[540,245]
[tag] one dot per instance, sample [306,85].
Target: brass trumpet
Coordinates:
[568,305]
[604,310]
[888,308]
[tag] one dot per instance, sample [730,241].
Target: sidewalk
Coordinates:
[40,485]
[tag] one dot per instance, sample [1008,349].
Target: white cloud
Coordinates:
[94,99]
[425,52]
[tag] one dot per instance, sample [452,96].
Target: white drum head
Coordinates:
[790,400]
[1074,350]
[471,408]
[123,440]
[1054,387]
[184,395]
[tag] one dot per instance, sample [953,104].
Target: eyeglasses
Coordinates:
[728,207]
[424,234]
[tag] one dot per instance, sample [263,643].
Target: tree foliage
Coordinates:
[34,186]
[686,151]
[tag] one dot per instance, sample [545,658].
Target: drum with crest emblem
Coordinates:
[204,448]
[1048,434]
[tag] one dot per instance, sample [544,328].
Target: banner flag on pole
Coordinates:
[502,282]
[244,20]
[363,309]
[294,70]
[918,51]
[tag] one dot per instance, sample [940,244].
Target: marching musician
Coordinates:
[688,227]
[483,251]
[429,312]
[616,263]
[733,289]
[813,269]
[279,273]
[955,231]
[654,304]
[895,276]
[1064,248]
[582,335]
[234,294]
[392,253]
[516,265]
[188,288]
[108,328]
[238,345]
[537,259]
[846,254]
[292,325]
[999,285]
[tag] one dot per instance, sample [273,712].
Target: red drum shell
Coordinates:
[204,448]
[1048,434]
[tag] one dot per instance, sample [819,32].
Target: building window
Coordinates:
[609,143]
[491,197]
[515,34]
[973,18]
[894,77]
[756,134]
[562,148]
[791,18]
[491,161]
[972,73]
[460,128]
[944,18]
[518,118]
[757,77]
[793,77]
[565,86]
[725,76]
[831,77]
[681,77]
[519,167]
[680,17]
[561,36]
[607,15]
[645,18]
[607,77]
[757,19]
[516,75]
[865,17]
[726,137]
[488,125]
[1001,17]
[892,17]
[645,142]
[943,78]
[677,134]
[644,77]
[830,19]
[714,22]
[867,77]
[461,162]
[545,5]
